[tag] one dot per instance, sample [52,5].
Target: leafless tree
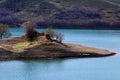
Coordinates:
[59,37]
[4,31]
[52,35]
[49,33]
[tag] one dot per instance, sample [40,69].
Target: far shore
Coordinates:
[80,28]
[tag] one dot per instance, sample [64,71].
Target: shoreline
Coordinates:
[76,28]
[48,50]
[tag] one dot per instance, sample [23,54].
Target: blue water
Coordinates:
[106,68]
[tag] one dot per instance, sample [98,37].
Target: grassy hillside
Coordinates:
[77,12]
[88,3]
[115,1]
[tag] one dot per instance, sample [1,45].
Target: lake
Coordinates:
[106,68]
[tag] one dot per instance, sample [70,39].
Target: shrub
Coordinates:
[52,35]
[49,33]
[31,34]
[4,31]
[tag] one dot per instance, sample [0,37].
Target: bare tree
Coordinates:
[4,31]
[31,33]
[52,35]
[49,33]
[59,37]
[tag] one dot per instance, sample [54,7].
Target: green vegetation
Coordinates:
[21,46]
[87,50]
[33,38]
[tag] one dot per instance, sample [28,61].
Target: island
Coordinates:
[17,48]
[45,45]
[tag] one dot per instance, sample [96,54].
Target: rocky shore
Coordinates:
[12,50]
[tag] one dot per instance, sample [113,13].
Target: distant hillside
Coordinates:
[88,3]
[64,13]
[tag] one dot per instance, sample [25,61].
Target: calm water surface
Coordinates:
[107,68]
